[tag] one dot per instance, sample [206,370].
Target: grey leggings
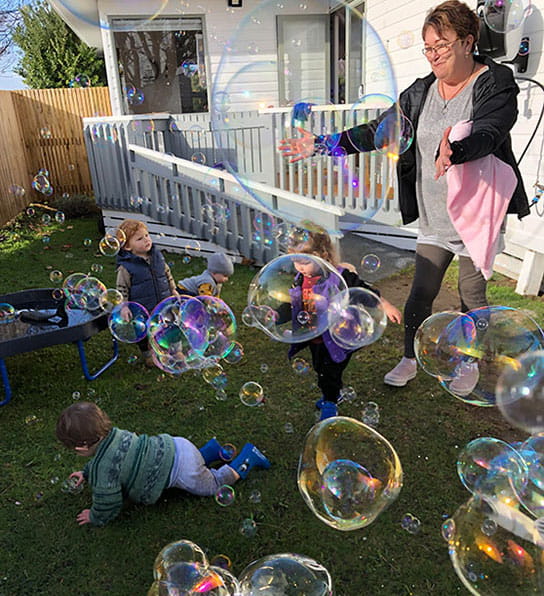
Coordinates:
[431,264]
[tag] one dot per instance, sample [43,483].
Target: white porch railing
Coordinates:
[207,203]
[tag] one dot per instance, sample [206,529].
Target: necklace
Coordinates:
[442,92]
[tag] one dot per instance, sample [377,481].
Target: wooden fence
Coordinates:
[42,128]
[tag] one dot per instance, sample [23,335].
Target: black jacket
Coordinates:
[494,112]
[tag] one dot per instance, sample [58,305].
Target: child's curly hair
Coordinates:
[128,228]
[82,424]
[310,238]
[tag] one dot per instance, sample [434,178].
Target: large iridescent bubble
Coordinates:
[531,493]
[182,568]
[469,352]
[275,297]
[348,473]
[128,322]
[520,392]
[283,574]
[356,318]
[493,469]
[302,34]
[87,292]
[495,549]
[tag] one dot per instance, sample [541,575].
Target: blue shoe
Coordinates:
[328,410]
[319,403]
[250,457]
[211,451]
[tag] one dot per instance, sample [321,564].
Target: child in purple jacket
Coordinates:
[328,359]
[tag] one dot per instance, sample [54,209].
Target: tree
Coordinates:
[10,17]
[52,54]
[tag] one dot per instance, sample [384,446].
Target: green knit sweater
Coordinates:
[127,465]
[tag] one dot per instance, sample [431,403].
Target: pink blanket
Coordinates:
[478,195]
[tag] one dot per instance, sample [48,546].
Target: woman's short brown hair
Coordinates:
[456,16]
[82,424]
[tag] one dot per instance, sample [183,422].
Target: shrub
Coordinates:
[76,205]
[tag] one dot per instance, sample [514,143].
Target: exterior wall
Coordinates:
[252,28]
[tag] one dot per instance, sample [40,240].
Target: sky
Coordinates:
[10,80]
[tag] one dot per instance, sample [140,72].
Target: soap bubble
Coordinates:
[370,263]
[287,573]
[222,561]
[347,394]
[235,355]
[264,367]
[356,318]
[225,495]
[70,282]
[210,373]
[248,528]
[18,191]
[56,276]
[468,356]
[181,551]
[300,366]
[128,322]
[109,245]
[227,452]
[41,183]
[520,392]
[531,493]
[87,292]
[394,135]
[60,217]
[255,496]
[410,523]
[31,211]
[275,297]
[508,562]
[492,468]
[46,239]
[70,486]
[348,473]
[97,268]
[110,299]
[7,313]
[251,394]
[504,16]
[46,219]
[87,242]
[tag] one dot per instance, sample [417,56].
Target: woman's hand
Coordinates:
[298,148]
[443,160]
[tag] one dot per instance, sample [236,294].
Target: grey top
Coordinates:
[436,116]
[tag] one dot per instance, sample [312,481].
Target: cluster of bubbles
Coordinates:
[496,539]
[370,415]
[41,183]
[184,333]
[352,317]
[135,97]
[468,352]
[182,567]
[80,80]
[348,473]
[410,523]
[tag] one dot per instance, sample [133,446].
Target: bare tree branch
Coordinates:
[9,19]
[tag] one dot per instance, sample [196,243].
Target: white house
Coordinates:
[176,64]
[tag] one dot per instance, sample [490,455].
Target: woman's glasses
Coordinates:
[439,49]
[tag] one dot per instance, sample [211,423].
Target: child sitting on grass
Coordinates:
[140,467]
[143,275]
[328,359]
[210,281]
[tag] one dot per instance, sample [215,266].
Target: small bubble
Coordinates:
[255,496]
[264,368]
[288,428]
[248,528]
[76,395]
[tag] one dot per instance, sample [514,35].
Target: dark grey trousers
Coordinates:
[431,265]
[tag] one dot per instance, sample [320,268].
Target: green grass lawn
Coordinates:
[44,551]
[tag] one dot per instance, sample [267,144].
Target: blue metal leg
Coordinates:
[82,357]
[5,381]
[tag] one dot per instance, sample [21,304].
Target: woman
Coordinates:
[462,86]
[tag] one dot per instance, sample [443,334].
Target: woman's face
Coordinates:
[446,53]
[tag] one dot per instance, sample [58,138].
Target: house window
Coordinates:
[348,48]
[303,58]
[162,66]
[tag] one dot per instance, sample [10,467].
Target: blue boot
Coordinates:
[328,410]
[319,403]
[210,451]
[250,457]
